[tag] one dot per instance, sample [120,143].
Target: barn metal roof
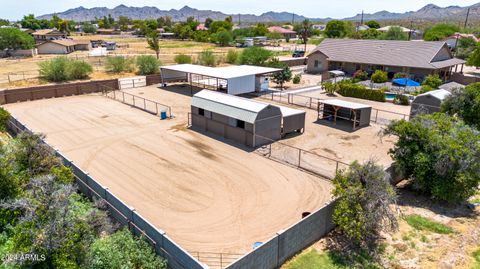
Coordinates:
[439,94]
[418,54]
[229,105]
[345,104]
[228,72]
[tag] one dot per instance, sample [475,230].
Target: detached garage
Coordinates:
[240,119]
[62,46]
[233,80]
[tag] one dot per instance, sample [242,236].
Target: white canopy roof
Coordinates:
[440,94]
[345,104]
[286,111]
[221,72]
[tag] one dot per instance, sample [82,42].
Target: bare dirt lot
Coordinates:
[205,193]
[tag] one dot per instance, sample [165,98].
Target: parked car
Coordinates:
[298,54]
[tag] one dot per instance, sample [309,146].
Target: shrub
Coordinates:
[207,58]
[440,154]
[63,69]
[433,81]
[183,59]
[349,89]
[425,88]
[400,75]
[363,208]
[329,87]
[255,56]
[379,77]
[297,78]
[465,103]
[422,223]
[147,65]
[232,56]
[119,64]
[360,75]
[401,99]
[4,117]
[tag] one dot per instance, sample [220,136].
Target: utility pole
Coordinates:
[293,18]
[361,21]
[410,32]
[239,21]
[466,19]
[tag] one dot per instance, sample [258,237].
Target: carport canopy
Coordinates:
[338,105]
[239,78]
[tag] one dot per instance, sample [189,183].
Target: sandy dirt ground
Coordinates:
[321,137]
[206,194]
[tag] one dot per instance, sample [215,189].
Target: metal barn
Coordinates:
[428,103]
[293,120]
[233,80]
[240,119]
[358,114]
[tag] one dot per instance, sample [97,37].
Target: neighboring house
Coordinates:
[201,27]
[102,31]
[362,28]
[82,45]
[428,103]
[44,35]
[285,32]
[416,58]
[452,40]
[63,46]
[320,27]
[387,28]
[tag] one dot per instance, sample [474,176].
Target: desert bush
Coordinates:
[147,65]
[78,70]
[64,69]
[360,75]
[207,58]
[118,64]
[232,56]
[401,99]
[348,89]
[379,77]
[4,117]
[400,75]
[183,59]
[465,103]
[297,79]
[433,81]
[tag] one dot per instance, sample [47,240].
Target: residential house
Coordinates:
[287,33]
[453,39]
[201,27]
[416,58]
[102,31]
[62,46]
[44,35]
[82,45]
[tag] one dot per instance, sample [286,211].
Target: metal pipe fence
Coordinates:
[139,102]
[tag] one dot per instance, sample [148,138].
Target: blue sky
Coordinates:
[311,8]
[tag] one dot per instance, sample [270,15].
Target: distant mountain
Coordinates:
[87,14]
[428,12]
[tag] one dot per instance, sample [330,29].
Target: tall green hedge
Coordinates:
[349,89]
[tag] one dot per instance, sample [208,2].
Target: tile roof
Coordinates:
[417,54]
[278,29]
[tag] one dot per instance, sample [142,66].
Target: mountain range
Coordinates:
[429,12]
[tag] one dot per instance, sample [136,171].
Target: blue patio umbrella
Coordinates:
[405,82]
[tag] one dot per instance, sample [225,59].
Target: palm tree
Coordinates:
[306,31]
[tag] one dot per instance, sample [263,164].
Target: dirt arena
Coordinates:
[207,195]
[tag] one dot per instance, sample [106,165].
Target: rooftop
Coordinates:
[278,29]
[345,104]
[222,72]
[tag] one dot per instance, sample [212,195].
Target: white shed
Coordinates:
[231,79]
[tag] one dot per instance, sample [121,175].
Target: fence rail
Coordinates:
[136,101]
[177,257]
[379,116]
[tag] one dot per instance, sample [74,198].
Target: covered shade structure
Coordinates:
[405,82]
[231,79]
[358,114]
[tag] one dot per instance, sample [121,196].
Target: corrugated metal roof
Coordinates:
[286,111]
[346,104]
[440,94]
[417,54]
[221,72]
[228,105]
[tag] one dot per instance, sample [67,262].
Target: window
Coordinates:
[240,124]
[316,64]
[201,112]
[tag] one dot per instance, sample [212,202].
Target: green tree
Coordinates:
[30,22]
[336,29]
[440,31]
[208,21]
[153,41]
[255,56]
[216,26]
[223,38]
[394,33]
[274,36]
[122,250]
[305,32]
[183,59]
[147,65]
[182,31]
[474,58]
[89,28]
[465,103]
[439,154]
[4,117]
[14,39]
[4,22]
[201,36]
[207,58]
[363,207]
[118,64]
[123,22]
[283,76]
[379,76]
[432,81]
[260,30]
[232,56]
[370,34]
[373,24]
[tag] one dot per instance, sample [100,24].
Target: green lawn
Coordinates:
[476,255]
[421,223]
[327,260]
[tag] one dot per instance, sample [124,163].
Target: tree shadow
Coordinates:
[409,197]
